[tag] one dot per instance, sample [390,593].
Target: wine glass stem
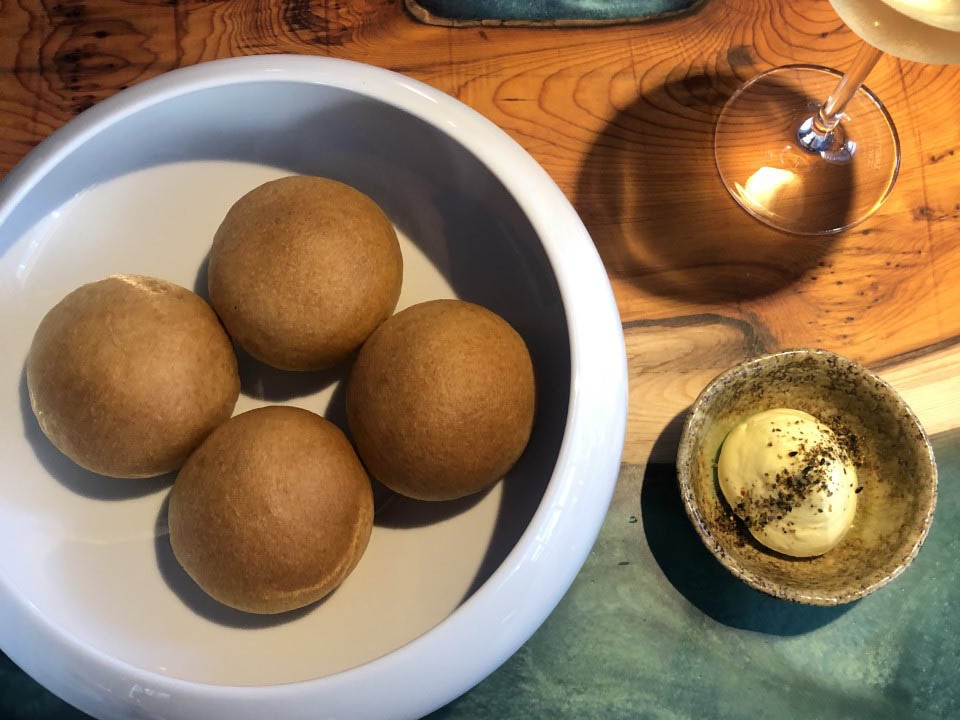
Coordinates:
[816,133]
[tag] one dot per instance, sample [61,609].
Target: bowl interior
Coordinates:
[145,195]
[898,475]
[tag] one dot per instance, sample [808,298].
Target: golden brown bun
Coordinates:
[129,374]
[302,270]
[440,401]
[272,512]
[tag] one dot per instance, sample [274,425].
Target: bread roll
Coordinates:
[302,270]
[272,512]
[440,401]
[128,375]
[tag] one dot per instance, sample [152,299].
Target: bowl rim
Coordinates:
[486,629]
[689,447]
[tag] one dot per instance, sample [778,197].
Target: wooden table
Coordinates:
[622,118]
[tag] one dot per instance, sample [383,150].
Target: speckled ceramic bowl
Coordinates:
[898,475]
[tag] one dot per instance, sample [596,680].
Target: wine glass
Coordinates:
[809,166]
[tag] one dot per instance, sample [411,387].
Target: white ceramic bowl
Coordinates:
[92,603]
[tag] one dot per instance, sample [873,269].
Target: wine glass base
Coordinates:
[766,169]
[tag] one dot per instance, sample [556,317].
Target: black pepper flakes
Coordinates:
[793,487]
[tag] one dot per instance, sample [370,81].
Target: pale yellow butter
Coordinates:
[785,474]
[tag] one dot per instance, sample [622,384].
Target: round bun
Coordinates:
[302,270]
[128,375]
[272,512]
[440,401]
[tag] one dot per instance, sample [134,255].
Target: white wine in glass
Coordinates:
[926,31]
[809,150]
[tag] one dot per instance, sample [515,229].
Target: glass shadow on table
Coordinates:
[649,193]
[693,570]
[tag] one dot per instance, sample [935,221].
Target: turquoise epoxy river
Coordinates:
[654,627]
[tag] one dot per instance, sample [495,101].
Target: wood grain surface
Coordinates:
[622,118]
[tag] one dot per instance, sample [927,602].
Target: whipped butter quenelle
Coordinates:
[791,480]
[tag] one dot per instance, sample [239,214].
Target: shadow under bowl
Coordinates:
[898,474]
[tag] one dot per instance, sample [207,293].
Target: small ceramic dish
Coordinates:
[898,475]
